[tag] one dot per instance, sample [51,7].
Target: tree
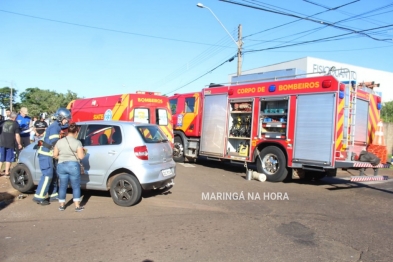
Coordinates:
[387,112]
[44,101]
[5,94]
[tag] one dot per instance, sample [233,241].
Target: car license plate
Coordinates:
[166,172]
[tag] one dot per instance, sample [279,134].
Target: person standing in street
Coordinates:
[69,152]
[32,130]
[24,124]
[48,181]
[39,128]
[8,138]
[7,114]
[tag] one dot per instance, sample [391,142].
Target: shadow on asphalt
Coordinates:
[86,194]
[224,165]
[9,199]
[336,183]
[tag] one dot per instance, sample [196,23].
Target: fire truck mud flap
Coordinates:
[271,161]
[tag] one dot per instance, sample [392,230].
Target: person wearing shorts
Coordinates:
[8,139]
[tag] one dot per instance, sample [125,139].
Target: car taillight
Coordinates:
[141,152]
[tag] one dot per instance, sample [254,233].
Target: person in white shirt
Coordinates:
[7,114]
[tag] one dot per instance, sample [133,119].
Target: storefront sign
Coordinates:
[342,73]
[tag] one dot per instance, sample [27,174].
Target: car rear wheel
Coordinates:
[21,178]
[125,190]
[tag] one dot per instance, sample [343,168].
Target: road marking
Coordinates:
[186,164]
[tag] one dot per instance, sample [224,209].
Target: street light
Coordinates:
[238,43]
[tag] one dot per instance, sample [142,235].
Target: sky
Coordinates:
[99,48]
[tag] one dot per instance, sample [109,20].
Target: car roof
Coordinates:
[113,122]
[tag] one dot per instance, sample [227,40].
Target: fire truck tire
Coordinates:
[125,190]
[178,150]
[272,162]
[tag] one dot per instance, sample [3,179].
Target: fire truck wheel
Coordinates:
[125,190]
[178,150]
[21,178]
[272,162]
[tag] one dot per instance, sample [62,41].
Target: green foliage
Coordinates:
[39,101]
[387,112]
[5,94]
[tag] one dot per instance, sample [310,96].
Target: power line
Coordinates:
[103,29]
[300,19]
[355,17]
[304,18]
[226,61]
[205,55]
[332,51]
[316,40]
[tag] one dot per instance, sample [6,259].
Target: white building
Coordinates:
[344,72]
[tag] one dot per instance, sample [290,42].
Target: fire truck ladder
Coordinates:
[350,113]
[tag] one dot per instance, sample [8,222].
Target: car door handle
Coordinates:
[112,152]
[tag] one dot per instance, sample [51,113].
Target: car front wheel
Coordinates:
[125,190]
[21,178]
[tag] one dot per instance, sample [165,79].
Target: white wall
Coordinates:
[347,72]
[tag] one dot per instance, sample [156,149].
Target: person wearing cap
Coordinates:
[39,127]
[48,182]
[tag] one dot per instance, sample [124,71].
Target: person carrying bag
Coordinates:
[69,152]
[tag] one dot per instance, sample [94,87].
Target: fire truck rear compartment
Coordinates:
[314,130]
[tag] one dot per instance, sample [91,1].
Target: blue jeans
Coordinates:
[69,171]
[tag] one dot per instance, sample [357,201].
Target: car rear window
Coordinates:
[152,134]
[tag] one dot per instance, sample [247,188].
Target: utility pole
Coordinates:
[11,98]
[239,51]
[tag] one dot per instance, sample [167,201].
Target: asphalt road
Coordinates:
[205,218]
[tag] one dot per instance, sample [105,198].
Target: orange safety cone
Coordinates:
[379,138]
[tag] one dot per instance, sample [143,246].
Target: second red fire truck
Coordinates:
[142,106]
[303,127]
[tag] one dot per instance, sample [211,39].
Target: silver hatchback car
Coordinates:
[122,157]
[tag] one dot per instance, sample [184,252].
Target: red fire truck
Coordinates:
[143,107]
[304,127]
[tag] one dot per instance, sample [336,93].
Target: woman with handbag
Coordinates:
[69,152]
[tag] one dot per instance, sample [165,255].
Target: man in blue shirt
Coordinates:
[24,126]
[48,181]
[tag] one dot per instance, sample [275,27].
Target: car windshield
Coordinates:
[152,134]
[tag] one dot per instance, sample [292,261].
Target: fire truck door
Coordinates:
[214,123]
[314,129]
[361,121]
